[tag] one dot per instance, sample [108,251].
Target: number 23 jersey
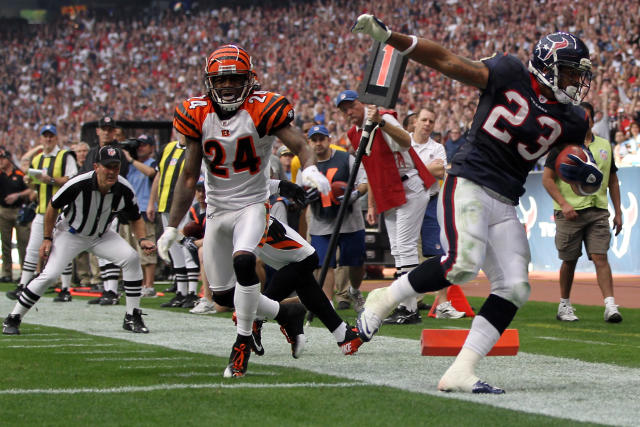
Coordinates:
[236,150]
[513,127]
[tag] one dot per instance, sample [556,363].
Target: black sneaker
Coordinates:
[239,359]
[173,289]
[402,316]
[352,341]
[133,322]
[109,298]
[11,325]
[291,321]
[14,294]
[190,300]
[63,296]
[175,301]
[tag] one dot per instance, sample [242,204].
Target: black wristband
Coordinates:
[48,238]
[141,239]
[382,123]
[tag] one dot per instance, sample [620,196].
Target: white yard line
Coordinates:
[137,389]
[566,388]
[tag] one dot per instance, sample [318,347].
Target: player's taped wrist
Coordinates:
[414,43]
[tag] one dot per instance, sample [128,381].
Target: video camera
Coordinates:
[129,144]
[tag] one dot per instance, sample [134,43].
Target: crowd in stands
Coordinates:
[137,67]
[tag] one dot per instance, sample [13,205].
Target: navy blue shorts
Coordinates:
[351,248]
[430,231]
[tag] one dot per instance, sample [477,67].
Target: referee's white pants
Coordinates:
[403,224]
[67,246]
[32,255]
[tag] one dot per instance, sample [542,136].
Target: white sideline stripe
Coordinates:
[131,359]
[59,345]
[157,366]
[589,342]
[105,351]
[136,389]
[26,338]
[566,388]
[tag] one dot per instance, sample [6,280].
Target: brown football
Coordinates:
[193,229]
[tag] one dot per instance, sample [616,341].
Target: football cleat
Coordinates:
[256,338]
[239,359]
[63,296]
[175,301]
[133,322]
[482,387]
[256,335]
[14,294]
[352,341]
[190,300]
[291,320]
[204,306]
[368,324]
[11,325]
[109,298]
[402,316]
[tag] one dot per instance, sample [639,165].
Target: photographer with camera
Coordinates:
[141,177]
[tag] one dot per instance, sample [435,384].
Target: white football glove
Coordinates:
[168,238]
[369,24]
[312,177]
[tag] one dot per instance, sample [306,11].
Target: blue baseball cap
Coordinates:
[346,95]
[48,128]
[318,129]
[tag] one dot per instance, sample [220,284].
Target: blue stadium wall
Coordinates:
[536,213]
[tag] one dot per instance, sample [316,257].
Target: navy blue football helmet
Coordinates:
[562,53]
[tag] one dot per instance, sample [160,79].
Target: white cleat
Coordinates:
[297,346]
[368,324]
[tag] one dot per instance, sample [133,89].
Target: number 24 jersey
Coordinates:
[236,150]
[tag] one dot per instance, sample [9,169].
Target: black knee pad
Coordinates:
[224,298]
[498,311]
[428,276]
[244,266]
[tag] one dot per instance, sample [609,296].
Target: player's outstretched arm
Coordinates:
[426,52]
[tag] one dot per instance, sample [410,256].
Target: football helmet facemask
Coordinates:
[229,76]
[562,57]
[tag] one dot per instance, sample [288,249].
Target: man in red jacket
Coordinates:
[397,180]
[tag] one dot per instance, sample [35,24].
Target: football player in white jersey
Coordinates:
[232,128]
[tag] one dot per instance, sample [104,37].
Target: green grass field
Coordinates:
[59,376]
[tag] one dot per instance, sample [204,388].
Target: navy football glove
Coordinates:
[583,173]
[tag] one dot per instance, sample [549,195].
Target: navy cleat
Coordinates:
[482,387]
[11,325]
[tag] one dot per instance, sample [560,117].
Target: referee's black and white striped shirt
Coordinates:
[88,212]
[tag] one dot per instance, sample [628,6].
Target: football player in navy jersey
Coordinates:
[523,111]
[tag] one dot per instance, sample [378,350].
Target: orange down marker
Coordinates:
[448,342]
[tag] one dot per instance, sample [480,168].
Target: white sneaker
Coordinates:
[611,314]
[203,307]
[566,313]
[358,300]
[446,311]
[148,292]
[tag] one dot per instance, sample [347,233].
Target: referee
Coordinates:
[89,202]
